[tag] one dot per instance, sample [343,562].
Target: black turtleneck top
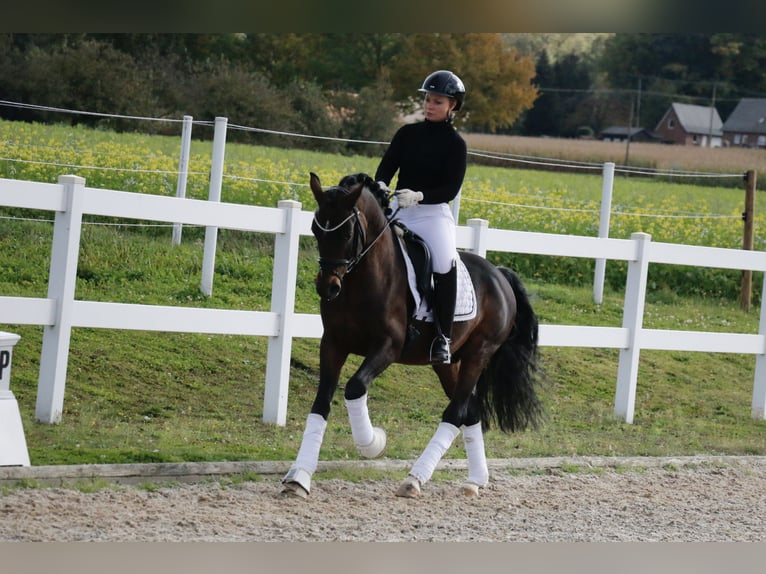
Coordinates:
[430,157]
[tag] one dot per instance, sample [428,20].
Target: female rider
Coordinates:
[431,159]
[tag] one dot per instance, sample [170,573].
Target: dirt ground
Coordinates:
[709,502]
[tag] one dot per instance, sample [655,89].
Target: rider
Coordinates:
[431,159]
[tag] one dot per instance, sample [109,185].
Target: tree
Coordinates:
[283,58]
[368,115]
[541,119]
[498,79]
[670,67]
[742,59]
[352,61]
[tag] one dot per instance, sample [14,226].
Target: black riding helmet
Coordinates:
[445,83]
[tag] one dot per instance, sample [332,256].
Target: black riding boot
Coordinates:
[445,292]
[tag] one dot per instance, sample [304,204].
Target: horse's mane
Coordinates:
[380,195]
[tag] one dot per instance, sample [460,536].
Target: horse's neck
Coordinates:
[383,252]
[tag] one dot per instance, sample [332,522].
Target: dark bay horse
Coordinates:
[367,309]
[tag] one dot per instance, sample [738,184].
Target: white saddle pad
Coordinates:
[465,304]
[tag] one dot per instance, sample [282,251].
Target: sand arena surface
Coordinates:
[692,501]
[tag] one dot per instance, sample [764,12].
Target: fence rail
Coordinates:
[60,312]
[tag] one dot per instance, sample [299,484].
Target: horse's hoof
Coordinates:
[409,488]
[297,482]
[470,489]
[377,446]
[295,489]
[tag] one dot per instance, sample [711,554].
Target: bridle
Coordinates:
[359,246]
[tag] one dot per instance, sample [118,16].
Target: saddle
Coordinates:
[420,257]
[417,259]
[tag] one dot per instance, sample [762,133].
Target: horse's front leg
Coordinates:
[297,481]
[370,441]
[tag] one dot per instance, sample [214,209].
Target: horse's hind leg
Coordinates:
[463,409]
[425,465]
[478,472]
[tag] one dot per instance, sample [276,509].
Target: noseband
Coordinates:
[359,246]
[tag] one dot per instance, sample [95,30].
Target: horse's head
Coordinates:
[340,227]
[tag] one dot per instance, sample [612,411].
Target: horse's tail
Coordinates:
[507,388]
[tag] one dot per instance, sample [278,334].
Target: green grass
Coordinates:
[135,396]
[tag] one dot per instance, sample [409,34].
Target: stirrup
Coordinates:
[440,352]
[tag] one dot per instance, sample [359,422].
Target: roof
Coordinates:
[748,117]
[696,119]
[622,131]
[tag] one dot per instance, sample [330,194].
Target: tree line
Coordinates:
[358,86]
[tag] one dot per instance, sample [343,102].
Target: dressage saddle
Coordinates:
[420,256]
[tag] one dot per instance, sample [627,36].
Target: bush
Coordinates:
[90,76]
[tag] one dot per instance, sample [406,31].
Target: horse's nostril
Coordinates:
[333,291]
[328,289]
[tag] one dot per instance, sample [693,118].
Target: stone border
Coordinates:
[201,471]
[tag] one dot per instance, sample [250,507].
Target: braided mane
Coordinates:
[381,196]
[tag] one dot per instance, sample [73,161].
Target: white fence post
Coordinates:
[633,321]
[603,230]
[759,380]
[283,286]
[61,288]
[183,171]
[479,228]
[216,181]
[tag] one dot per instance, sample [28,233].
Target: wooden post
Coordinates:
[748,216]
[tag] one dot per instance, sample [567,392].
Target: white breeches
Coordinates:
[435,224]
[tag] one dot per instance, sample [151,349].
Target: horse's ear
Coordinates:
[316,187]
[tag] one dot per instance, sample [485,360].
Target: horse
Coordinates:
[367,310]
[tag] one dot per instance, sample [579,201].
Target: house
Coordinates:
[620,134]
[746,125]
[686,124]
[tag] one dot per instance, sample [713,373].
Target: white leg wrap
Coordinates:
[308,456]
[478,473]
[376,447]
[426,464]
[359,417]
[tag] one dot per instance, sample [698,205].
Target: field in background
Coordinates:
[656,156]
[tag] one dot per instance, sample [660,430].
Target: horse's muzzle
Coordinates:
[328,285]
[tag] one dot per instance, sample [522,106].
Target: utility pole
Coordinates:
[712,115]
[637,104]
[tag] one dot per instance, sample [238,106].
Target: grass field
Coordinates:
[137,396]
[639,154]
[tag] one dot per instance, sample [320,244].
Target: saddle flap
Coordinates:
[420,256]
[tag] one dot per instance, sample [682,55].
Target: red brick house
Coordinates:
[686,124]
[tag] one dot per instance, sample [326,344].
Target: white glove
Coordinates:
[408,197]
[383,186]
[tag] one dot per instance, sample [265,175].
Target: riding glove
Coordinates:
[408,197]
[383,186]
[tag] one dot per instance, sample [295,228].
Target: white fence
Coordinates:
[60,312]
